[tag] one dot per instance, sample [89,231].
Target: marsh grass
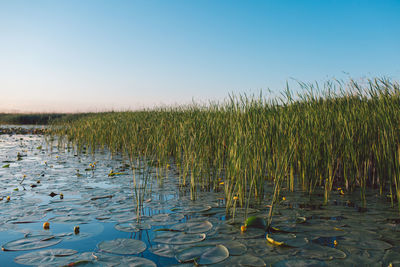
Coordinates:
[336,135]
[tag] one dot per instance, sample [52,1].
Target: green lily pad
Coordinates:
[123,246]
[213,255]
[289,239]
[191,253]
[251,233]
[174,238]
[193,227]
[299,262]
[132,227]
[44,257]
[31,242]
[318,252]
[163,250]
[191,208]
[114,260]
[246,260]
[203,255]
[235,248]
[164,218]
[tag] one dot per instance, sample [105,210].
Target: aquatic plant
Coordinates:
[335,135]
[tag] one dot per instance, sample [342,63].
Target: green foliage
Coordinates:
[341,135]
[37,119]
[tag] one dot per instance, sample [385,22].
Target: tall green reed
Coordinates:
[332,135]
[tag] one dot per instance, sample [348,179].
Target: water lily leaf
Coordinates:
[163,250]
[251,233]
[203,255]
[235,248]
[31,242]
[299,262]
[44,257]
[246,260]
[213,255]
[137,262]
[367,244]
[122,246]
[287,239]
[166,218]
[191,253]
[313,251]
[178,238]
[132,227]
[191,208]
[103,259]
[193,227]
[78,219]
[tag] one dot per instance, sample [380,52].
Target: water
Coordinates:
[104,208]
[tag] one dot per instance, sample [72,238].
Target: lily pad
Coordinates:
[235,248]
[164,218]
[31,242]
[123,246]
[299,262]
[103,259]
[191,208]
[318,252]
[246,260]
[163,250]
[44,257]
[213,255]
[193,227]
[174,238]
[203,255]
[132,227]
[251,233]
[288,239]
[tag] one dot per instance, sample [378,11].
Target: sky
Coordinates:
[96,55]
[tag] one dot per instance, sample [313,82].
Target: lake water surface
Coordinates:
[35,175]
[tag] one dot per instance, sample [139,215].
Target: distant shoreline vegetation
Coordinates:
[36,118]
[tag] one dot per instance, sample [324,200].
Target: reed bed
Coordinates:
[339,134]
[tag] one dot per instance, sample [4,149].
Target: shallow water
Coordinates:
[318,235]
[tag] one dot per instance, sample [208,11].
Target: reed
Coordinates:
[332,135]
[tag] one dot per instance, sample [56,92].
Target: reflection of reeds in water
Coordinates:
[341,135]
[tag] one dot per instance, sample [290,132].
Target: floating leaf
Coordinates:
[287,239]
[103,259]
[191,253]
[203,255]
[245,260]
[191,208]
[193,227]
[177,238]
[163,250]
[166,218]
[213,255]
[299,262]
[235,248]
[122,246]
[44,257]
[132,227]
[318,252]
[31,242]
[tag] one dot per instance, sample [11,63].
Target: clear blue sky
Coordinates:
[77,55]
